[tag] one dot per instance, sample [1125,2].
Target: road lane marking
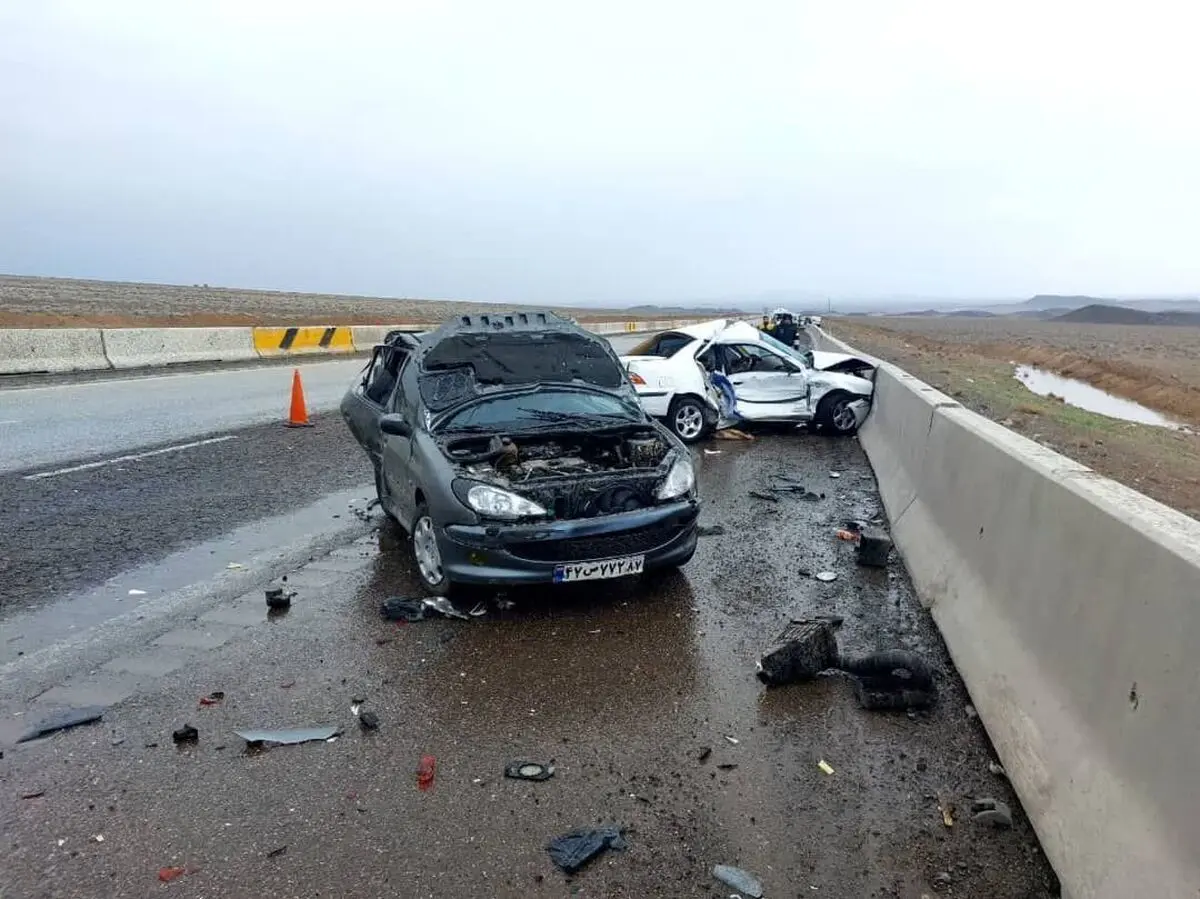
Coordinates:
[87,466]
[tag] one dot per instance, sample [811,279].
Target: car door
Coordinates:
[769,386]
[367,401]
[400,472]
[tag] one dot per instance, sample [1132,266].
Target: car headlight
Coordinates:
[679,480]
[496,503]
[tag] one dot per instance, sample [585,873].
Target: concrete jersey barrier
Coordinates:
[145,347]
[28,350]
[299,341]
[32,350]
[1071,607]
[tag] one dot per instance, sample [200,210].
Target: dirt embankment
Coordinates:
[973,363]
[66,303]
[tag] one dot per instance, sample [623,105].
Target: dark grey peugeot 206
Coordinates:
[513,450]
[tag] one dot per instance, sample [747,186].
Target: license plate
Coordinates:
[598,571]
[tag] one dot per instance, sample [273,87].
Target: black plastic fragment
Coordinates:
[522,770]
[186,734]
[397,608]
[573,850]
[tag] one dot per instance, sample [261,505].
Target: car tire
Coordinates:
[382,494]
[688,419]
[427,558]
[833,414]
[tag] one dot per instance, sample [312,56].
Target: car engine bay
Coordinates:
[574,475]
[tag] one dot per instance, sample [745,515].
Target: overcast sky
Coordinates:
[570,152]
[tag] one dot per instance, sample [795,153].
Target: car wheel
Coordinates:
[426,554]
[381,493]
[687,418]
[834,413]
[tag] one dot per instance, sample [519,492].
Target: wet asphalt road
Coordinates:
[621,684]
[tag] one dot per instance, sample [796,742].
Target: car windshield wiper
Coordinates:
[577,417]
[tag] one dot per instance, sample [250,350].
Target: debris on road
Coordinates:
[825,766]
[166,875]
[732,434]
[234,566]
[137,592]
[38,795]
[892,680]
[426,770]
[845,534]
[737,879]
[278,598]
[368,721]
[805,648]
[705,752]
[997,769]
[444,607]
[835,474]
[573,850]
[275,853]
[709,530]
[991,811]
[712,452]
[733,740]
[764,495]
[288,736]
[947,810]
[529,770]
[212,698]
[397,608]
[478,610]
[186,734]
[63,720]
[874,547]
[826,577]
[727,766]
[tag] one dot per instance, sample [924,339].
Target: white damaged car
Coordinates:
[677,375]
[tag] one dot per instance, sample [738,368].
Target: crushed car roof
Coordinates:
[471,354]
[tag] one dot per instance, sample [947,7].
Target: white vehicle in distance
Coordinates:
[771,382]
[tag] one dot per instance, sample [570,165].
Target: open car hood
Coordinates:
[823,361]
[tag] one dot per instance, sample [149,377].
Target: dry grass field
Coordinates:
[971,359]
[65,303]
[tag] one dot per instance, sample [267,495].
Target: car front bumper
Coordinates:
[530,553]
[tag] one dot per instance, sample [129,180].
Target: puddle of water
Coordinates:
[1085,396]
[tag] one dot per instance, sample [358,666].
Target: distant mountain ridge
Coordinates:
[1106,314]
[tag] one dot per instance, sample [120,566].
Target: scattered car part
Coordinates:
[520,770]
[368,721]
[573,850]
[825,766]
[185,734]
[397,608]
[288,736]
[426,771]
[826,576]
[166,875]
[63,720]
[874,547]
[444,607]
[991,811]
[805,648]
[737,879]
[279,598]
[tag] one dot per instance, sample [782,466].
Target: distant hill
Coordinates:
[1104,314]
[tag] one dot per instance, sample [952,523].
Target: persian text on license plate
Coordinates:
[598,571]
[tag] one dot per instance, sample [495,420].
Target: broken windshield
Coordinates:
[539,408]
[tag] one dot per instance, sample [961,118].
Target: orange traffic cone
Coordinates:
[298,416]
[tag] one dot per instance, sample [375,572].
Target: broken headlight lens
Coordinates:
[496,503]
[679,480]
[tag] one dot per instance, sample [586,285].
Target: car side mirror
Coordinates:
[395,425]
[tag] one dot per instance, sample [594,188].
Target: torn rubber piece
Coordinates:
[573,850]
[278,598]
[397,608]
[742,881]
[288,736]
[528,771]
[891,699]
[63,720]
[805,648]
[891,669]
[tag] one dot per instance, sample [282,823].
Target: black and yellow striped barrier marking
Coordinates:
[309,339]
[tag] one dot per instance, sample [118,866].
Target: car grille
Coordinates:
[600,546]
